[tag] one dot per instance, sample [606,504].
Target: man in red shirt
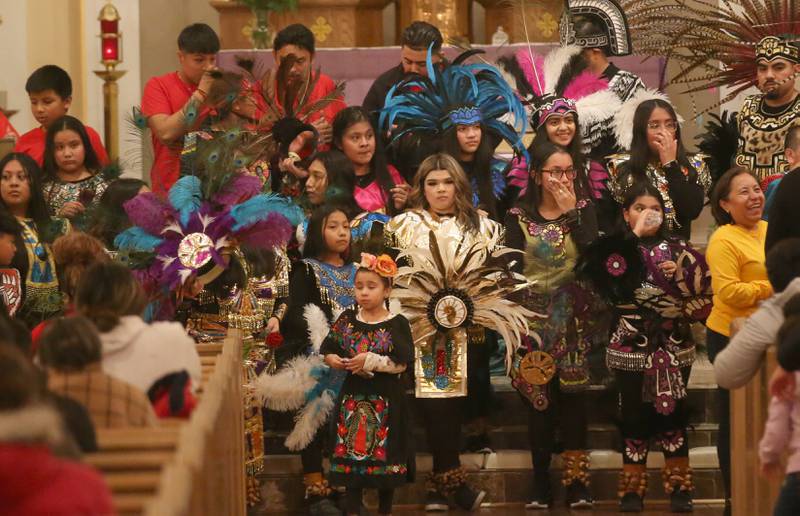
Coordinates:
[50,91]
[175,103]
[297,42]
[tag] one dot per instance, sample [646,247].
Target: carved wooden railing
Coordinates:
[752,494]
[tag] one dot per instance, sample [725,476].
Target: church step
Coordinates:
[515,437]
[505,475]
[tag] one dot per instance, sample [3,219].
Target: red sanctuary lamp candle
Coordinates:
[110,57]
[109,36]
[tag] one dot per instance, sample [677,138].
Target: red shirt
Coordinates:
[166,95]
[6,129]
[32,144]
[324,86]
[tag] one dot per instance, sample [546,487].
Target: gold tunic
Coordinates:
[762,136]
[440,367]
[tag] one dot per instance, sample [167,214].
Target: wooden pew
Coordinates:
[183,467]
[751,493]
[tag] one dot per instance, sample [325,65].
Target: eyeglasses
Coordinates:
[558,173]
[669,125]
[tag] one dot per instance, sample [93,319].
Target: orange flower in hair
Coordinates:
[385,266]
[382,265]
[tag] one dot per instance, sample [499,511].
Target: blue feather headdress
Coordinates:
[193,236]
[460,94]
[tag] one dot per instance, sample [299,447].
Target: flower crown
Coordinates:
[382,265]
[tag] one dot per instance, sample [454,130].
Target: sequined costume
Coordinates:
[762,135]
[36,264]
[552,373]
[370,431]
[411,229]
[651,349]
[248,310]
[551,250]
[444,294]
[313,282]
[683,189]
[86,191]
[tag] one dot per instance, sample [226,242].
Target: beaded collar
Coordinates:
[336,284]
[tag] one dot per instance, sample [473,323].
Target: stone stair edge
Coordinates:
[700,458]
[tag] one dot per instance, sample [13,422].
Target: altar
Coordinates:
[360,66]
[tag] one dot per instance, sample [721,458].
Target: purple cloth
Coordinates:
[361,66]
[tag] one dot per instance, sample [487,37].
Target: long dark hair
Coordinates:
[315,239]
[641,189]
[481,166]
[341,181]
[345,119]
[640,150]
[110,218]
[70,123]
[539,154]
[37,206]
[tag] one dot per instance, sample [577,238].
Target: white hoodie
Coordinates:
[141,353]
[741,358]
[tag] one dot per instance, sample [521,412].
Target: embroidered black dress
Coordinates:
[370,421]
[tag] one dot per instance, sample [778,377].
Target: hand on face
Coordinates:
[666,145]
[563,193]
[207,79]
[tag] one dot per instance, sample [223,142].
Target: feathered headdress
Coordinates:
[460,94]
[192,235]
[716,44]
[448,288]
[607,26]
[559,83]
[280,112]
[623,120]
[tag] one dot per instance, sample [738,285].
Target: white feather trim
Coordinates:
[554,64]
[598,107]
[395,306]
[309,420]
[300,234]
[318,327]
[623,121]
[286,389]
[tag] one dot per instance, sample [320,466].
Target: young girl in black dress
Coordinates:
[370,436]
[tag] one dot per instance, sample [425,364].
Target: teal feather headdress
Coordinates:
[460,94]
